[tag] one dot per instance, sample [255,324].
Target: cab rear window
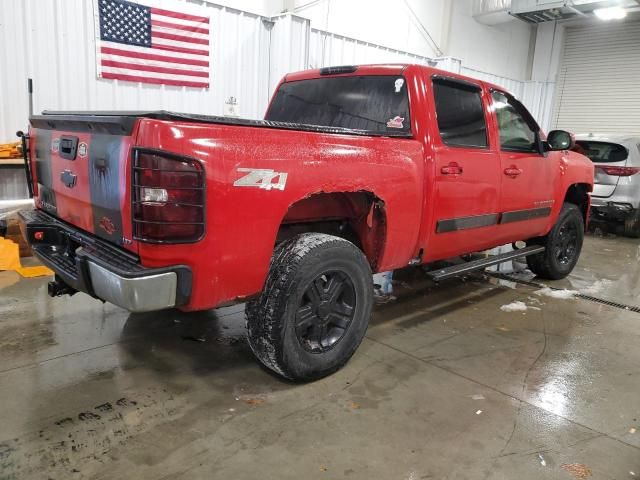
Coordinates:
[377,104]
[602,152]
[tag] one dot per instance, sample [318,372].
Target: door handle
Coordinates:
[512,171]
[452,169]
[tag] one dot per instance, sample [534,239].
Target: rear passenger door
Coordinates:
[467,171]
[527,175]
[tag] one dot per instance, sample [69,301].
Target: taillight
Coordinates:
[618,171]
[168,197]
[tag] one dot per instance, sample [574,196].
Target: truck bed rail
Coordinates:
[122,122]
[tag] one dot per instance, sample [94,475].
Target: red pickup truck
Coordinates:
[354,170]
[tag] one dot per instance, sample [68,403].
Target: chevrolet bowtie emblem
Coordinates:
[68,178]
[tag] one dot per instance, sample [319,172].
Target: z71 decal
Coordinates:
[261,178]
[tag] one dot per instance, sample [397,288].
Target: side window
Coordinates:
[516,126]
[460,113]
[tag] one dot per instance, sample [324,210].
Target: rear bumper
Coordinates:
[605,209]
[90,265]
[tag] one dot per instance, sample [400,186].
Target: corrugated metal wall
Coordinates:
[327,49]
[52,41]
[536,96]
[12,183]
[514,86]
[289,50]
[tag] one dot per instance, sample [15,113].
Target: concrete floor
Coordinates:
[445,385]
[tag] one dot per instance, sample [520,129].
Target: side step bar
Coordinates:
[466,267]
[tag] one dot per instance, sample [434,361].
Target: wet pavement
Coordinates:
[478,378]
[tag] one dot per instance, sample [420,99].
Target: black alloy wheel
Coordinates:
[326,311]
[566,242]
[314,309]
[562,245]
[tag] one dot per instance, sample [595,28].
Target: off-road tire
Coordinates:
[273,320]
[632,225]
[548,264]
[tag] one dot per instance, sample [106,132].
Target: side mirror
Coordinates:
[560,140]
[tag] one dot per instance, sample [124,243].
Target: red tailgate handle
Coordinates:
[452,169]
[512,171]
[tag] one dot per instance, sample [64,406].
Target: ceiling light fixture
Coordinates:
[610,13]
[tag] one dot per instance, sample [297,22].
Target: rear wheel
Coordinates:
[315,307]
[563,245]
[632,225]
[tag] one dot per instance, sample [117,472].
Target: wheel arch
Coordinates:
[358,216]
[578,194]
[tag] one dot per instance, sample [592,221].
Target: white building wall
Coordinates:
[550,38]
[537,96]
[250,54]
[397,24]
[52,41]
[289,51]
[502,49]
[265,8]
[328,49]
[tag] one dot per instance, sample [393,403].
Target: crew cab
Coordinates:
[354,170]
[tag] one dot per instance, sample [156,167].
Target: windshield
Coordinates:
[602,152]
[376,104]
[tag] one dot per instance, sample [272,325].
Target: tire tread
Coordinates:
[542,264]
[264,315]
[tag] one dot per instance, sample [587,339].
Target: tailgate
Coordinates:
[81,171]
[604,184]
[603,155]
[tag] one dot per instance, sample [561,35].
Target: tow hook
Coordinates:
[58,288]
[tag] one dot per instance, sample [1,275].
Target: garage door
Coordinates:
[598,88]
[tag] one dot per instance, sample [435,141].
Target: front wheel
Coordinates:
[563,245]
[315,307]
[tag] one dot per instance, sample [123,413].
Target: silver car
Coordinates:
[616,193]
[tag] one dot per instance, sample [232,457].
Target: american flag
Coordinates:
[152,45]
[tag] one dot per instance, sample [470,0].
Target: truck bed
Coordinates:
[121,122]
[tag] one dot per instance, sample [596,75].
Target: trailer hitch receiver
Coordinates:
[58,288]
